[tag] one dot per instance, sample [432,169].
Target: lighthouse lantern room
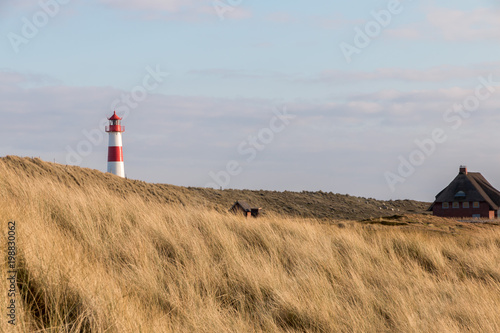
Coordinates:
[115,150]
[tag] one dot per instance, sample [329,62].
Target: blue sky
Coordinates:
[356,127]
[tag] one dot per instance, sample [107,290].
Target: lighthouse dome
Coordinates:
[114,117]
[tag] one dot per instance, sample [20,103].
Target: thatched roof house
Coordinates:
[468,195]
[242,207]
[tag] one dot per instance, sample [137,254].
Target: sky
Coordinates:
[379,99]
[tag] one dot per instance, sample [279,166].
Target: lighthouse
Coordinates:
[115,150]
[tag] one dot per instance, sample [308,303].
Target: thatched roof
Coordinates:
[470,186]
[243,204]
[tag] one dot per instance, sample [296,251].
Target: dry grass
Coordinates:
[319,205]
[92,260]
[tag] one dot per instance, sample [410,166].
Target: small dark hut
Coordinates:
[243,208]
[468,195]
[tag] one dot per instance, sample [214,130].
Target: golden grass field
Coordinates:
[94,258]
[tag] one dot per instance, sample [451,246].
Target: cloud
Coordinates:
[8,78]
[449,24]
[13,8]
[456,25]
[437,74]
[365,107]
[182,10]
[434,74]
[225,73]
[406,33]
[155,5]
[395,110]
[19,4]
[281,17]
[180,139]
[335,23]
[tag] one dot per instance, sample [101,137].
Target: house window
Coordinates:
[446,205]
[465,205]
[475,204]
[456,205]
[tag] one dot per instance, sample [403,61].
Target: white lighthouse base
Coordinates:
[117,168]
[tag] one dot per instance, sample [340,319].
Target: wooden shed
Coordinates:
[241,207]
[468,195]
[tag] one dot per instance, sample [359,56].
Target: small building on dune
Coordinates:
[469,195]
[241,207]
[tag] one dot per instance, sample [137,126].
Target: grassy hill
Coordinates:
[95,253]
[319,205]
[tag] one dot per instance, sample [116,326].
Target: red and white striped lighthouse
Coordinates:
[115,150]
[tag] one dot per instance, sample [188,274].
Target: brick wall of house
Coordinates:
[483,210]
